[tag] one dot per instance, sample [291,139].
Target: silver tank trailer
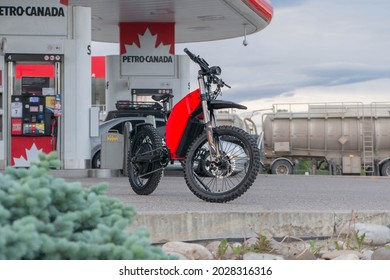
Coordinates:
[352,137]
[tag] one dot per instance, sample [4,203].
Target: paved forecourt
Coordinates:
[300,206]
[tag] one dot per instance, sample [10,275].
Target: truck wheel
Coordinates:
[96,160]
[282,167]
[385,169]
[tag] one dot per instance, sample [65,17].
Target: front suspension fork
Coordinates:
[209,125]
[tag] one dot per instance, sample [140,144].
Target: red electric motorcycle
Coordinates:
[220,163]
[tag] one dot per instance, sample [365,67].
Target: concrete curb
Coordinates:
[191,226]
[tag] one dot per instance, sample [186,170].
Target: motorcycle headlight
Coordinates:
[216,70]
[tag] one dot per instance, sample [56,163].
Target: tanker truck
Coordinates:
[346,138]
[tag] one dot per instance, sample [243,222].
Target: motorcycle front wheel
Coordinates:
[144,176]
[231,173]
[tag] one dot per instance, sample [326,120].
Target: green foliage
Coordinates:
[338,246]
[312,247]
[304,165]
[360,240]
[43,217]
[262,245]
[222,247]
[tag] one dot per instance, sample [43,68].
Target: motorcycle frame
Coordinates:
[189,117]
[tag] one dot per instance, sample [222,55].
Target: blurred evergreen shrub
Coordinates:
[43,217]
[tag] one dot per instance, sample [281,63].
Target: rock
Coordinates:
[381,254]
[341,244]
[213,248]
[191,251]
[251,241]
[351,257]
[257,256]
[304,255]
[178,256]
[367,254]
[334,254]
[374,234]
[285,249]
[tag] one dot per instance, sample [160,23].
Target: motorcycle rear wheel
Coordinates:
[234,171]
[144,176]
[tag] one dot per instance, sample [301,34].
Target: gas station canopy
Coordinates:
[52,111]
[195,20]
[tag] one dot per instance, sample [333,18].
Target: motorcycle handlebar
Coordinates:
[205,67]
[190,54]
[200,61]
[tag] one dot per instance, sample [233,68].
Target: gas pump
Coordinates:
[34,107]
[33,128]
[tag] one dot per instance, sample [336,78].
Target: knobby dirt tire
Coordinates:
[235,172]
[145,140]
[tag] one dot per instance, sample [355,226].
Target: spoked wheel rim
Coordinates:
[222,167]
[224,173]
[142,168]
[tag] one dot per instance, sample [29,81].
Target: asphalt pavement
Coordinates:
[278,205]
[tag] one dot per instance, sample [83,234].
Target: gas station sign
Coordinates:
[147,49]
[37,17]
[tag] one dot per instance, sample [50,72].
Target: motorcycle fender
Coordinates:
[137,128]
[223,104]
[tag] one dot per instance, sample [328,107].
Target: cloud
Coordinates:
[368,92]
[337,73]
[362,92]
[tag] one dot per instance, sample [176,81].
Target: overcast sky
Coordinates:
[313,51]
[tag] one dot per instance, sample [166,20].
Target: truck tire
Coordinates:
[385,169]
[96,162]
[282,167]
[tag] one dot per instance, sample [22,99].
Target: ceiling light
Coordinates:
[200,28]
[211,17]
[161,12]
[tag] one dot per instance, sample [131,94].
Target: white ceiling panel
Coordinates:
[195,20]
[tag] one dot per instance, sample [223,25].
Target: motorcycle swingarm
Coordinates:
[157,155]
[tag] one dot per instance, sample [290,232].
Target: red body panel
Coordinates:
[178,120]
